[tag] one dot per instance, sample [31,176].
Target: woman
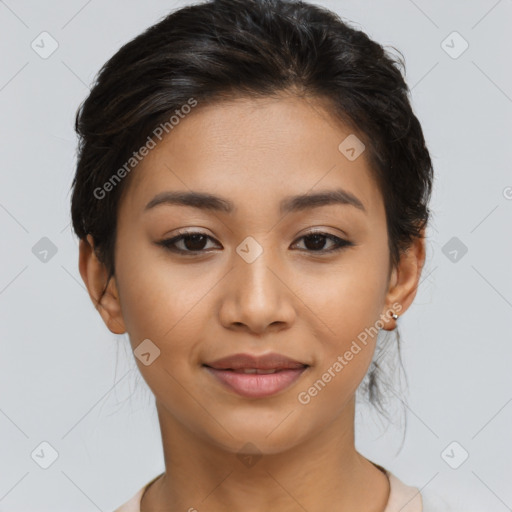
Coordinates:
[251,198]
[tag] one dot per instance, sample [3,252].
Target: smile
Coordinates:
[256,383]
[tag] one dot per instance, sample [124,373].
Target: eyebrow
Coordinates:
[205,201]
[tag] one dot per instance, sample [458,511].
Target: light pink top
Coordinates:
[402,497]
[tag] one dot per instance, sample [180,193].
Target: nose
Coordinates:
[257,296]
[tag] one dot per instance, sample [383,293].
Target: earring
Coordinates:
[395,316]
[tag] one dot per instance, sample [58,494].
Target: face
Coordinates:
[260,269]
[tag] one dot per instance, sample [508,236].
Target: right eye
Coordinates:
[192,242]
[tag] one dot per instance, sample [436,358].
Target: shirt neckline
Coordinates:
[402,497]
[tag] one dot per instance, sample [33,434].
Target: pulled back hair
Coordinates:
[226,49]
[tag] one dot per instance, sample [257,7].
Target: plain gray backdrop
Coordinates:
[67,382]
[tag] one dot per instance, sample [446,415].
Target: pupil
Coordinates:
[318,241]
[193,242]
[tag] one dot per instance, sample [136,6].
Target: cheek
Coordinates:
[347,330]
[350,298]
[157,299]
[161,305]
[347,305]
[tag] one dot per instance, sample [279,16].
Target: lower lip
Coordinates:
[257,385]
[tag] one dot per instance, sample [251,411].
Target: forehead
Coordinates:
[261,149]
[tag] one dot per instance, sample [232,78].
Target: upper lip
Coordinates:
[263,362]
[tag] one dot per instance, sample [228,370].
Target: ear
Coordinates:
[404,281]
[94,275]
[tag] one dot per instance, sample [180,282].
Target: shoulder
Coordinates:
[402,497]
[133,504]
[433,502]
[407,498]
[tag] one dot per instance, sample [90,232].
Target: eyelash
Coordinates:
[169,243]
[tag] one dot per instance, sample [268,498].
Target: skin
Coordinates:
[290,300]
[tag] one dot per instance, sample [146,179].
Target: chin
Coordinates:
[264,438]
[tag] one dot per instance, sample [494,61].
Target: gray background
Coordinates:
[66,380]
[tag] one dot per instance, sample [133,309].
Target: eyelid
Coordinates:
[340,243]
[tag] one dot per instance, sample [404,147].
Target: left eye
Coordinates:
[317,241]
[195,242]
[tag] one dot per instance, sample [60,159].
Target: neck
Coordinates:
[324,472]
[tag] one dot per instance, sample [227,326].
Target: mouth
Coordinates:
[258,371]
[256,377]
[269,361]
